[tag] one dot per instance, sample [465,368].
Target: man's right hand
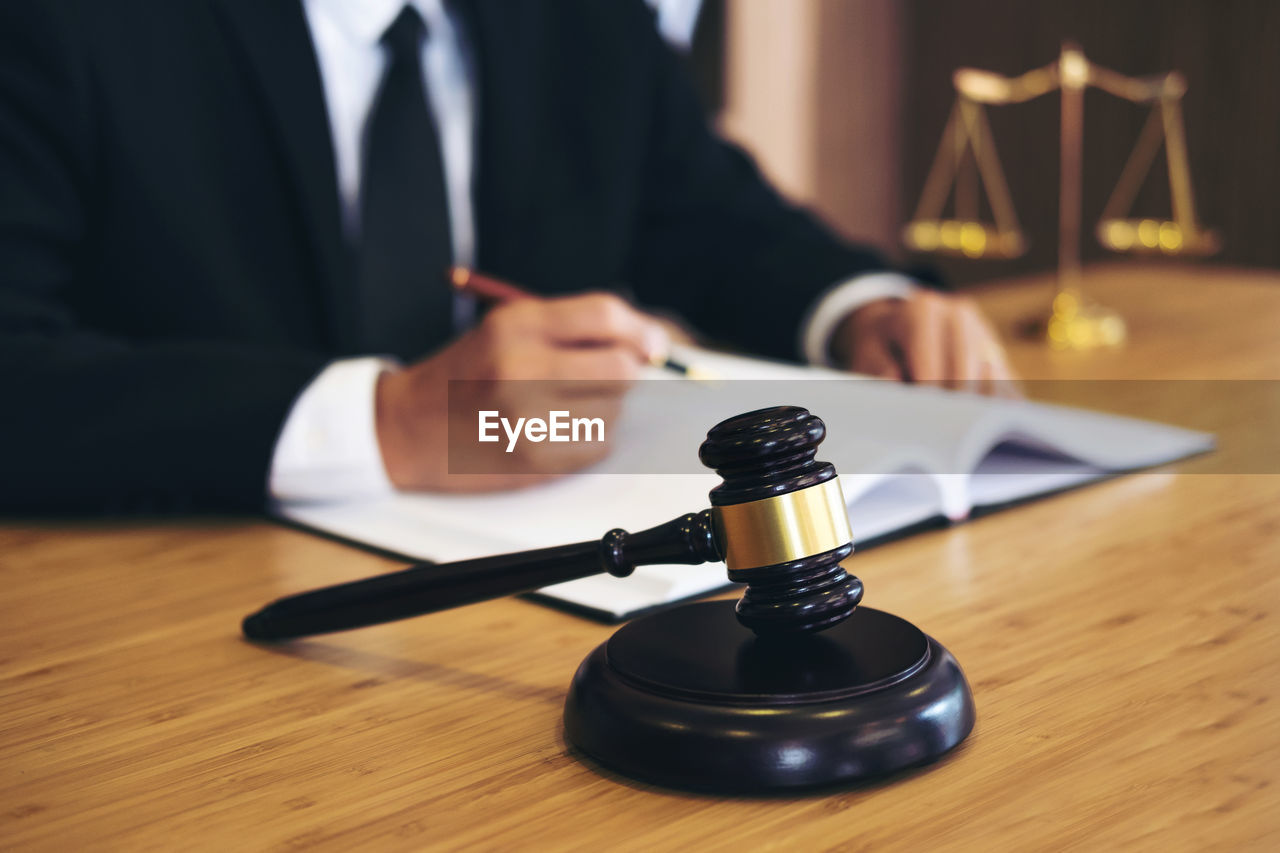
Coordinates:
[531,356]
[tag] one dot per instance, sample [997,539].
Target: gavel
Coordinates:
[778,521]
[789,688]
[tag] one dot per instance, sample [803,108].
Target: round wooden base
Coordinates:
[688,698]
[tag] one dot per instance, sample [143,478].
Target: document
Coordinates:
[907,455]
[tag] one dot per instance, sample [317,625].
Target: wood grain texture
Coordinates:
[1122,640]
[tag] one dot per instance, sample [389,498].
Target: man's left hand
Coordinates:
[926,337]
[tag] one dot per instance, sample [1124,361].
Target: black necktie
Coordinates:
[405,246]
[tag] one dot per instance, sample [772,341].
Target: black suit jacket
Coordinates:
[172,272]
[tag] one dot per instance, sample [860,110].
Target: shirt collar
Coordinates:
[364,21]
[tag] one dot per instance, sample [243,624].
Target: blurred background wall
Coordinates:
[843,103]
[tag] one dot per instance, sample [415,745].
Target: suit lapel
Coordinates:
[507,38]
[281,60]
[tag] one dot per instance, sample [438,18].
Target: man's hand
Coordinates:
[928,337]
[584,350]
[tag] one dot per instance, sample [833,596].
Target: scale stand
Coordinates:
[967,157]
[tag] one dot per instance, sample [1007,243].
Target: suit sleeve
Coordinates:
[715,241]
[89,421]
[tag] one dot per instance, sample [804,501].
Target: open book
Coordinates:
[906,455]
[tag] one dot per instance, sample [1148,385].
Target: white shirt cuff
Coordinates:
[841,301]
[328,448]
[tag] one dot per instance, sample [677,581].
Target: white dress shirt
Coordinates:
[328,447]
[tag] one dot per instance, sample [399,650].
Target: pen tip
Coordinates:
[699,375]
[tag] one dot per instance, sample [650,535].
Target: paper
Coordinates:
[906,455]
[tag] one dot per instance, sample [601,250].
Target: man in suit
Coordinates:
[224,226]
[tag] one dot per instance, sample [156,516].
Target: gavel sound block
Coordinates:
[793,686]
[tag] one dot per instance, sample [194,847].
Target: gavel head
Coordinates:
[781,521]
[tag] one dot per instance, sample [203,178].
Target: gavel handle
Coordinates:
[427,588]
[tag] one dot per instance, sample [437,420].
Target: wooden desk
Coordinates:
[1123,642]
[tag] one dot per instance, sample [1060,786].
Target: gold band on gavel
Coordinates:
[787,527]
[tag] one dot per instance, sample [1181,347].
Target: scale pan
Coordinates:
[963,238]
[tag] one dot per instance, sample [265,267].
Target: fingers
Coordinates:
[577,355]
[930,338]
[587,320]
[527,359]
[874,356]
[988,370]
[921,331]
[595,337]
[864,343]
[969,345]
[597,364]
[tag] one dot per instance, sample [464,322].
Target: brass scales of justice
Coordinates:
[967,155]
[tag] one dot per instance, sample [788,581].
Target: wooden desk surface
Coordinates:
[1123,643]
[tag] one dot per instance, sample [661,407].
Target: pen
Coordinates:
[490,289]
